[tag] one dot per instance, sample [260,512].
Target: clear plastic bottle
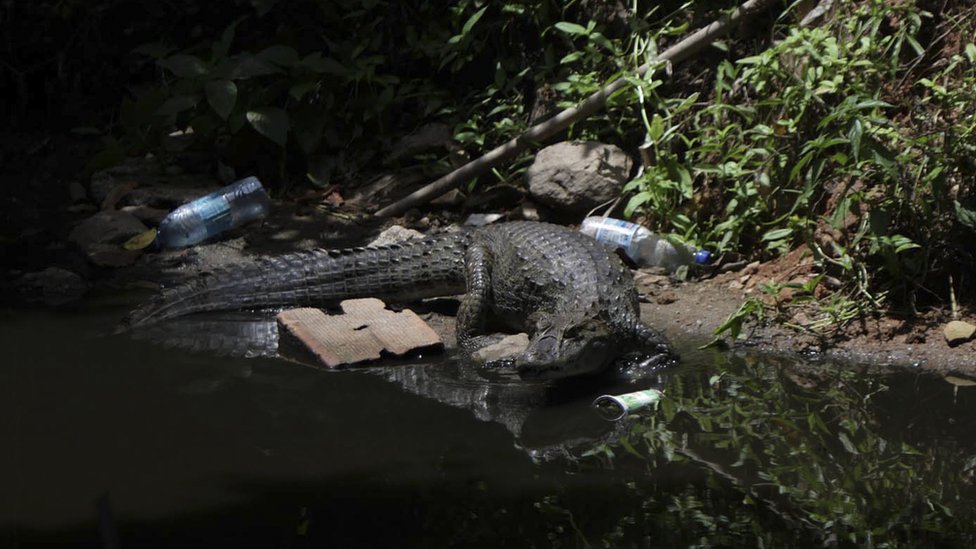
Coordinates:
[210,215]
[644,247]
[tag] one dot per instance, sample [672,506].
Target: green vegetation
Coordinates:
[794,454]
[329,102]
[852,139]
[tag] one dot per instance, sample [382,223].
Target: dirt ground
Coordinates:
[696,309]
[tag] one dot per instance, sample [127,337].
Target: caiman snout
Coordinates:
[550,356]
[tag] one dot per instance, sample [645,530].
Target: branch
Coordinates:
[594,103]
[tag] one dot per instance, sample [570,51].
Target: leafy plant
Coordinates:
[816,135]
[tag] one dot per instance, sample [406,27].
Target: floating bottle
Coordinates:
[647,249]
[215,213]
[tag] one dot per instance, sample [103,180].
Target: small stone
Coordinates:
[507,347]
[529,212]
[150,216]
[109,255]
[958,332]
[109,227]
[395,234]
[480,220]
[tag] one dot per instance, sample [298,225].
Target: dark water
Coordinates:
[109,441]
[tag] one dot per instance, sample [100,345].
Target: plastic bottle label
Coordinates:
[615,231]
[215,210]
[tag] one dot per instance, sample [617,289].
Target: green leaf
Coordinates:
[244,66]
[777,234]
[602,41]
[283,56]
[271,122]
[570,57]
[871,104]
[656,130]
[316,63]
[178,104]
[222,96]
[184,66]
[848,445]
[854,134]
[298,90]
[221,47]
[570,28]
[635,202]
[965,216]
[473,20]
[971,53]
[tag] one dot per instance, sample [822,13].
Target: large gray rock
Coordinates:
[110,227]
[575,177]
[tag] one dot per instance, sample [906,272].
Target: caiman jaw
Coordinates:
[552,355]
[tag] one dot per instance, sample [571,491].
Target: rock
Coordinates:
[958,332]
[144,182]
[150,216]
[575,177]
[529,212]
[130,169]
[648,282]
[395,234]
[53,286]
[109,255]
[117,193]
[480,220]
[109,227]
[507,347]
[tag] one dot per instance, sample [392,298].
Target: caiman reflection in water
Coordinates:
[547,419]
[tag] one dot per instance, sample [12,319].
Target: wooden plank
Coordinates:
[364,330]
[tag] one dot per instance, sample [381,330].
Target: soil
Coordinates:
[696,309]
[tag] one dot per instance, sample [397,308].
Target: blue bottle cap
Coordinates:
[702,257]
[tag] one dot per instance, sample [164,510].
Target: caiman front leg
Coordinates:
[654,353]
[472,317]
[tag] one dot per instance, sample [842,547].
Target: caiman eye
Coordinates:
[586,329]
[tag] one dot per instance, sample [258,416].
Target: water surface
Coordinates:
[114,441]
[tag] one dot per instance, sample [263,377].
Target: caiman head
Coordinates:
[559,350]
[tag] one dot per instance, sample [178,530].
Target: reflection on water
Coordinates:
[194,448]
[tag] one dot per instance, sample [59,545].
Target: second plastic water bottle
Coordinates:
[213,214]
[644,247]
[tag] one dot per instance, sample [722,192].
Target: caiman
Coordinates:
[571,294]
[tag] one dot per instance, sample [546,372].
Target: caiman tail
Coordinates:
[405,271]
